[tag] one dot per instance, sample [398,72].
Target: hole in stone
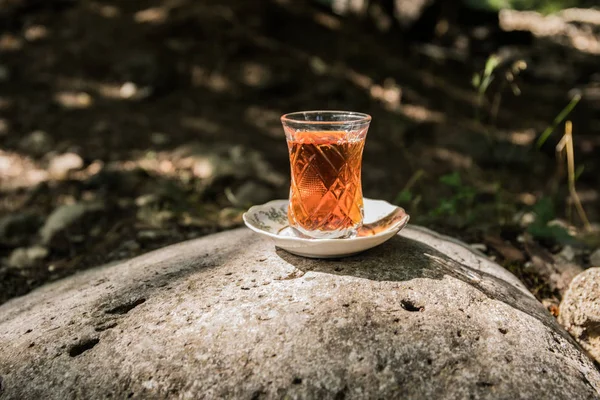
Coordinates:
[338,269]
[484,384]
[396,320]
[555,339]
[28,331]
[297,381]
[130,395]
[83,346]
[458,333]
[429,361]
[125,308]
[102,328]
[341,395]
[410,306]
[503,331]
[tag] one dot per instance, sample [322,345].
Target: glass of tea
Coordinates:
[326,150]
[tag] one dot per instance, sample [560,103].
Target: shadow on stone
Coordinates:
[404,259]
[228,316]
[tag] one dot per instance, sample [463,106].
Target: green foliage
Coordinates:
[557,120]
[482,81]
[403,197]
[541,227]
[452,180]
[544,211]
[461,199]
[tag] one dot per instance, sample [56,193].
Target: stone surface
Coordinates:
[580,310]
[229,316]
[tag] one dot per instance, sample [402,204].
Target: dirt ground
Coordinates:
[169,112]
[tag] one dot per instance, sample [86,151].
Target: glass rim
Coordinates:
[348,117]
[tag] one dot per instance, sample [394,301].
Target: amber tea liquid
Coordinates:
[325,194]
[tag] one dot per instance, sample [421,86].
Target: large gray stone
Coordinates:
[580,310]
[229,316]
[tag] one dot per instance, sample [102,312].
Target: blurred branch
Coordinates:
[566,144]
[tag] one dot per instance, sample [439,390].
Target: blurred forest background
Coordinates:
[130,125]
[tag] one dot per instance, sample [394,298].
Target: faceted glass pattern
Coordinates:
[325,194]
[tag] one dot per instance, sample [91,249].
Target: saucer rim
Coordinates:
[396,228]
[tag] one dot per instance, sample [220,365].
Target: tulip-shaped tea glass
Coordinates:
[326,150]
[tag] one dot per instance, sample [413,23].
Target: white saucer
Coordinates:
[381,222]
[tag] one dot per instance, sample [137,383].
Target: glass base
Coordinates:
[336,234]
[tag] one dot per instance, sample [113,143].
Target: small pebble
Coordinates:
[62,164]
[25,257]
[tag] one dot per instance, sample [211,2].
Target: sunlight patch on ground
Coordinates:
[125,91]
[74,100]
[328,21]
[171,164]
[255,75]
[19,171]
[453,158]
[36,32]
[421,114]
[213,80]
[583,15]
[10,42]
[345,7]
[556,27]
[527,198]
[105,10]
[523,137]
[361,80]
[154,15]
[389,92]
[73,91]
